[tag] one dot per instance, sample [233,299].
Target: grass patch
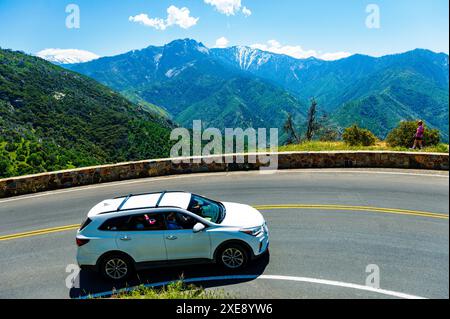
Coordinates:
[176,290]
[341,146]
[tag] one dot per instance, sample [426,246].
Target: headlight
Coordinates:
[255,231]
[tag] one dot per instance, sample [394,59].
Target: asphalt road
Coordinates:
[334,245]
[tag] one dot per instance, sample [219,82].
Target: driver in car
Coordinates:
[196,208]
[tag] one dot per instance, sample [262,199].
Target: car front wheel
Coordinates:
[233,257]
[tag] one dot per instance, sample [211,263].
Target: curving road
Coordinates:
[316,251]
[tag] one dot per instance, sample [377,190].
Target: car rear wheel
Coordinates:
[233,257]
[116,267]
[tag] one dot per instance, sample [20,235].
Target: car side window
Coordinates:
[178,221]
[147,222]
[142,222]
[115,224]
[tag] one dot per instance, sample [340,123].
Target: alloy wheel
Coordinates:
[116,268]
[233,258]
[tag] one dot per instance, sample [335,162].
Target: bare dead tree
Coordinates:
[312,125]
[289,129]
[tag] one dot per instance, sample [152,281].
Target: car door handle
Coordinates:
[125,238]
[172,237]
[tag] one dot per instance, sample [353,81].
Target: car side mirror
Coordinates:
[198,227]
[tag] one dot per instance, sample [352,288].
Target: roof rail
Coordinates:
[131,195]
[123,202]
[151,193]
[160,198]
[126,198]
[139,208]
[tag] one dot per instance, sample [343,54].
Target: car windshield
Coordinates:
[208,209]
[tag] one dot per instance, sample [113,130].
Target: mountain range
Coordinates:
[246,87]
[189,82]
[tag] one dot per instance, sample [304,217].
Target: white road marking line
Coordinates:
[266,277]
[157,179]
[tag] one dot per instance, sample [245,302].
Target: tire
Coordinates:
[233,257]
[116,267]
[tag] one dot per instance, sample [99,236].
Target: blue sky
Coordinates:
[296,27]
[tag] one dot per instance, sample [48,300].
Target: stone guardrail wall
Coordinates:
[154,168]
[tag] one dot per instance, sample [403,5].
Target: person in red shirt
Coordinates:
[418,138]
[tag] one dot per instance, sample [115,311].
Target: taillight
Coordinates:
[81,242]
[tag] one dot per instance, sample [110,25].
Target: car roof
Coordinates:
[142,201]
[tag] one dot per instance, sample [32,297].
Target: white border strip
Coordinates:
[266,277]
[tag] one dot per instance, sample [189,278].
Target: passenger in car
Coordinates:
[172,223]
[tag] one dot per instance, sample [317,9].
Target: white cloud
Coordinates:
[175,16]
[180,17]
[229,7]
[144,19]
[297,51]
[246,11]
[67,56]
[335,56]
[222,42]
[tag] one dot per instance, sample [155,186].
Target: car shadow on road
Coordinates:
[91,284]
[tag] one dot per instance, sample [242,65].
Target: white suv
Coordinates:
[134,232]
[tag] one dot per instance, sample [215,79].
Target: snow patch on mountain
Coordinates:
[67,56]
[203,49]
[177,71]
[247,57]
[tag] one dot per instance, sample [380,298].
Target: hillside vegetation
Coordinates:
[52,118]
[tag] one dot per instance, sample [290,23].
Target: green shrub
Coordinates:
[356,136]
[328,135]
[24,169]
[10,147]
[4,166]
[35,160]
[177,290]
[403,135]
